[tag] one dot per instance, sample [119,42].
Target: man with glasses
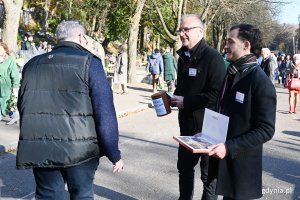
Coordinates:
[67,118]
[201,72]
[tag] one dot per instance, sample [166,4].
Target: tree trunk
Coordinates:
[46,10]
[93,27]
[177,45]
[133,37]
[220,37]
[158,42]
[11,23]
[70,9]
[153,44]
[142,37]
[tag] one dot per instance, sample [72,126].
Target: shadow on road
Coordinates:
[283,111]
[110,194]
[285,170]
[138,88]
[288,143]
[147,141]
[294,139]
[146,97]
[282,92]
[293,133]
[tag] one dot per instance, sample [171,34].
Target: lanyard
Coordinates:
[222,95]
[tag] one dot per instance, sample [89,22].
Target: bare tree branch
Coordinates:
[167,30]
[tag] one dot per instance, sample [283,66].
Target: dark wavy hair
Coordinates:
[156,50]
[248,32]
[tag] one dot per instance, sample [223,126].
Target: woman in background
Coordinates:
[9,78]
[294,94]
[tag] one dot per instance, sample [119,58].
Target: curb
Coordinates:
[13,146]
[128,112]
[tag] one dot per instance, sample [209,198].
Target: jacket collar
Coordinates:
[244,71]
[196,52]
[71,44]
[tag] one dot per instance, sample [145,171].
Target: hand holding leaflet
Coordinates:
[214,131]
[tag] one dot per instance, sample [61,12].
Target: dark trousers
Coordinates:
[186,164]
[50,183]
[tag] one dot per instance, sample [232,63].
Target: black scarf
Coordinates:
[242,64]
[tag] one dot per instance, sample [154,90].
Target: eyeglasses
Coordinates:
[84,36]
[186,30]
[85,39]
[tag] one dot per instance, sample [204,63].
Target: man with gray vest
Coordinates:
[67,118]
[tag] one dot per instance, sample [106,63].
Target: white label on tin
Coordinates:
[159,106]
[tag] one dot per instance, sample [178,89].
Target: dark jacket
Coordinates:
[170,66]
[57,128]
[199,91]
[250,104]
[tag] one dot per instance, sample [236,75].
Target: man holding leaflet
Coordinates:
[248,98]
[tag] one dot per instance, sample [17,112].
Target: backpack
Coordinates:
[154,64]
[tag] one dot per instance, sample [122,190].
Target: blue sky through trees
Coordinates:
[290,12]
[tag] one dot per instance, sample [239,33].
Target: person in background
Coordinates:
[42,47]
[155,66]
[248,98]
[23,43]
[201,72]
[268,65]
[287,64]
[30,46]
[67,117]
[294,94]
[170,68]
[276,77]
[49,48]
[280,71]
[9,79]
[224,55]
[259,60]
[120,76]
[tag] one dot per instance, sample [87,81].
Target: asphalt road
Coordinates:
[150,156]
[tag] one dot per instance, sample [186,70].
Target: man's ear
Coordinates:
[247,45]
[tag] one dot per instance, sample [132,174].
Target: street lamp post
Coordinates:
[294,47]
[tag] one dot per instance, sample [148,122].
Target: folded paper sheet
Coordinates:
[214,131]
